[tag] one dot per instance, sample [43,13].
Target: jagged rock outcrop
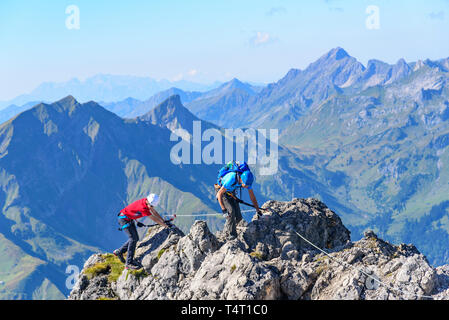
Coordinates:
[268,260]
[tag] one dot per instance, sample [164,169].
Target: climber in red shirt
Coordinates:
[138,209]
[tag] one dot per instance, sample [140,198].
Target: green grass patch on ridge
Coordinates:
[110,265]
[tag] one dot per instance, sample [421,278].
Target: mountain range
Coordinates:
[68,168]
[371,142]
[104,87]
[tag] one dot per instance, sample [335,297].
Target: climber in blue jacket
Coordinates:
[231,177]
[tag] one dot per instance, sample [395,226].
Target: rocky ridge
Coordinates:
[268,260]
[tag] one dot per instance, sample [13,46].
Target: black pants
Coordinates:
[235,215]
[130,245]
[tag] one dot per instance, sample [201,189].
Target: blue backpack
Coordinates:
[232,166]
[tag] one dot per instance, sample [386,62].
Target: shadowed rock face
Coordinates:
[272,236]
[268,260]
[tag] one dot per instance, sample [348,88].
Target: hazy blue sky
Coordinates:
[205,41]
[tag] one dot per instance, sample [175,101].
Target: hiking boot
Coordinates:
[119,256]
[133,266]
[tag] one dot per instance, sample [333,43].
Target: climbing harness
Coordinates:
[125,218]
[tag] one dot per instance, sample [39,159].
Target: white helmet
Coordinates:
[153,199]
